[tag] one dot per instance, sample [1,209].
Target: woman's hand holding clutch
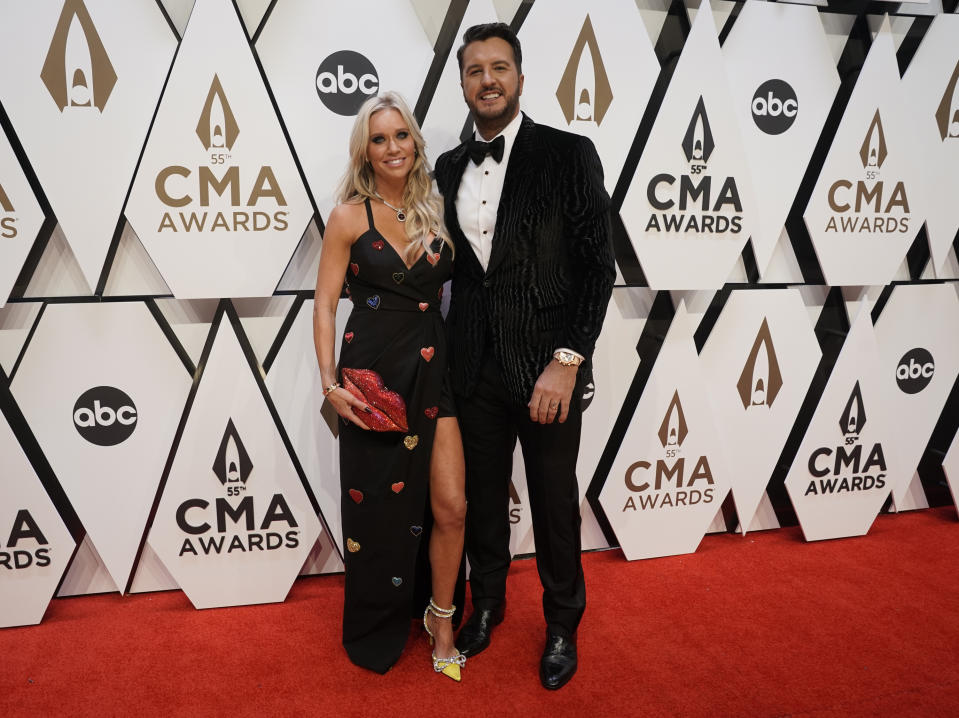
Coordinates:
[385,409]
[348,406]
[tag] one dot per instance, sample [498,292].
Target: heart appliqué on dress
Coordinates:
[439,293]
[397,581]
[352,546]
[411,441]
[348,336]
[378,244]
[433,257]
[424,306]
[355,268]
[398,277]
[398,486]
[356,495]
[427,353]
[373,302]
[432,412]
[416,530]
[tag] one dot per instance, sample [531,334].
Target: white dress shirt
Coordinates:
[477,199]
[479,193]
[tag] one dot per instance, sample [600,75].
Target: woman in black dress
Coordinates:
[399,439]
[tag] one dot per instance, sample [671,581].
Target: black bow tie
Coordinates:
[478,149]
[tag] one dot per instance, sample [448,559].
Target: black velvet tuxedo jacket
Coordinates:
[551,268]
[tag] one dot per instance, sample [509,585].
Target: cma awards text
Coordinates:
[171,191]
[659,192]
[192,518]
[14,555]
[819,466]
[682,494]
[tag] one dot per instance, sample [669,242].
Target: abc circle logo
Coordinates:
[345,80]
[774,107]
[104,416]
[915,370]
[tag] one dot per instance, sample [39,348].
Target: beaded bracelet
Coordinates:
[331,388]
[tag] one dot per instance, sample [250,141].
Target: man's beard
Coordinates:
[512,105]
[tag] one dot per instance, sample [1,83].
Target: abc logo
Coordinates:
[104,416]
[345,80]
[774,107]
[915,370]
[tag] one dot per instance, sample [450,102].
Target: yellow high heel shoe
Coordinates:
[447,666]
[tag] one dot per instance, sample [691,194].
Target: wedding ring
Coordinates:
[553,406]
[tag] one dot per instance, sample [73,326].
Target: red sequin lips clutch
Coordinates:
[387,407]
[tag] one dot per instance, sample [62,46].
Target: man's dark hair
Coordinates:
[478,33]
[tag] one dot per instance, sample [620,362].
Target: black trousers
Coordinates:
[490,422]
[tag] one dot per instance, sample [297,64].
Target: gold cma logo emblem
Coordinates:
[947,115]
[584,93]
[673,430]
[5,204]
[761,380]
[217,128]
[698,142]
[854,415]
[77,71]
[873,151]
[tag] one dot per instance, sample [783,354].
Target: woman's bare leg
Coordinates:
[448,501]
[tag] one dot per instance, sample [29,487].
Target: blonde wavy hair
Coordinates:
[424,207]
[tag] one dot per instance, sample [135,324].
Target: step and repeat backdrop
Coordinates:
[782,345]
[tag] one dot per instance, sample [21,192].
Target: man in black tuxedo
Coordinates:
[534,270]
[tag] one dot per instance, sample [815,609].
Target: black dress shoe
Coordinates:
[475,634]
[559,661]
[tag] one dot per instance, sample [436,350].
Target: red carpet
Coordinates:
[765,625]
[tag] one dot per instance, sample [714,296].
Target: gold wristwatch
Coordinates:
[567,358]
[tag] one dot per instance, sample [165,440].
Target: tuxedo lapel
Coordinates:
[458,159]
[457,164]
[520,174]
